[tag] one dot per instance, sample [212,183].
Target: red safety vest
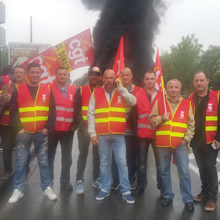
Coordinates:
[211,115]
[6,80]
[64,107]
[33,114]
[86,95]
[145,129]
[4,120]
[128,108]
[109,117]
[171,133]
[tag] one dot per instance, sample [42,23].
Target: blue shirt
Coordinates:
[63,90]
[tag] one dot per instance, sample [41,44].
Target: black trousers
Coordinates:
[66,142]
[131,154]
[8,142]
[83,144]
[206,161]
[142,163]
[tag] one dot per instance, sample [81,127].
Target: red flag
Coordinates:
[157,69]
[72,53]
[119,59]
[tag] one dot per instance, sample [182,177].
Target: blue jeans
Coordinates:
[181,157]
[23,143]
[117,142]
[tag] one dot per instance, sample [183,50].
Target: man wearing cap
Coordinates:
[81,104]
[63,130]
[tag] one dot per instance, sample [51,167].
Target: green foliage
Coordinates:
[182,62]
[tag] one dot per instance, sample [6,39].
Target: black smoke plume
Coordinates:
[138,21]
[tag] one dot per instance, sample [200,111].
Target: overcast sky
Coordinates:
[57,20]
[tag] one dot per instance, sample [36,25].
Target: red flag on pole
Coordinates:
[119,59]
[157,69]
[72,53]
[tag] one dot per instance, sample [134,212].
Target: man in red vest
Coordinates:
[8,131]
[81,104]
[33,112]
[63,130]
[130,137]
[206,141]
[107,126]
[145,132]
[174,125]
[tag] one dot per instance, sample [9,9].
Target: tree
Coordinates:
[183,62]
[210,63]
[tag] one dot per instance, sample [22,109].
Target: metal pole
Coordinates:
[0,61]
[31,29]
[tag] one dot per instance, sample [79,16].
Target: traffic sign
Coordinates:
[2,13]
[2,37]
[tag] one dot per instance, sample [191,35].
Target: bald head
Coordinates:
[109,79]
[126,77]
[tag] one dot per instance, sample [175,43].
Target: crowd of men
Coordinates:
[110,114]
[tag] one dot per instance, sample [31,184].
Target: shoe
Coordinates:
[115,185]
[66,186]
[199,197]
[129,199]
[49,193]
[6,175]
[102,195]
[15,196]
[79,187]
[97,183]
[133,186]
[210,206]
[189,207]
[139,190]
[167,202]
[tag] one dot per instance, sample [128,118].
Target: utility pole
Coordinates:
[31,29]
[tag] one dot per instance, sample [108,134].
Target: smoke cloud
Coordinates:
[138,21]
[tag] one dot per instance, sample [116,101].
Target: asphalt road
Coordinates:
[34,206]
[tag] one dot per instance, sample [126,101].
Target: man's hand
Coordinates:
[45,131]
[217,144]
[72,128]
[165,117]
[118,82]
[21,131]
[183,142]
[95,140]
[9,95]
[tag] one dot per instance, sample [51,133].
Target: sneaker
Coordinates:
[102,195]
[79,187]
[48,192]
[15,196]
[199,197]
[97,183]
[129,199]
[210,206]
[115,185]
[6,175]
[66,186]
